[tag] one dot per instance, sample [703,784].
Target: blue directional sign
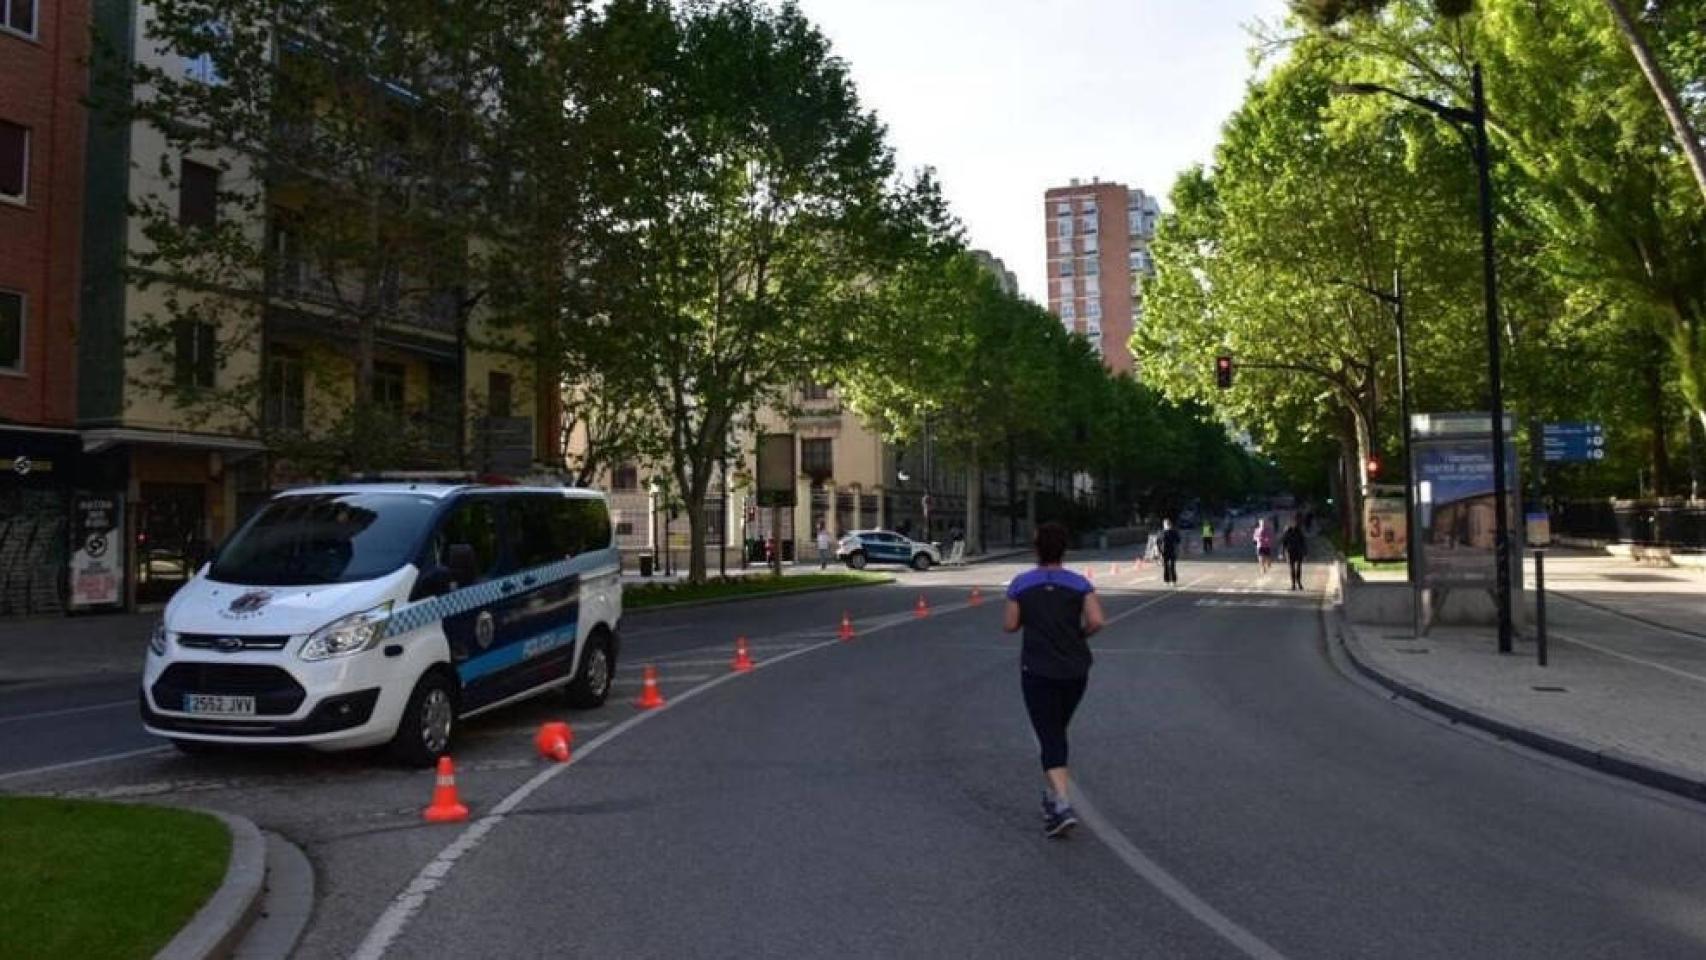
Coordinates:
[1572,442]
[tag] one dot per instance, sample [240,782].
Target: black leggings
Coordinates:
[1170,568]
[1051,702]
[1296,564]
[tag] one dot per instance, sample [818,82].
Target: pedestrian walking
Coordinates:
[1058,612]
[1264,539]
[1296,547]
[1207,536]
[823,545]
[1169,552]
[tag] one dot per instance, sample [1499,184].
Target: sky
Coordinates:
[1006,98]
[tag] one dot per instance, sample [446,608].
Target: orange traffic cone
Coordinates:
[553,740]
[446,806]
[743,659]
[846,626]
[922,608]
[976,596]
[649,695]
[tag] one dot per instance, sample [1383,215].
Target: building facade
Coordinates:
[1097,238]
[43,48]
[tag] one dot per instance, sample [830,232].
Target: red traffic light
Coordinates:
[1374,466]
[1223,372]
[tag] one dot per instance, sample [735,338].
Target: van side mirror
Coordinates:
[463,563]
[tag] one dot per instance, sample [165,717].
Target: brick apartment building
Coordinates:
[1098,237]
[43,79]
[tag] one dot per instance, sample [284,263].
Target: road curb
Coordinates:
[221,922]
[1605,760]
[286,905]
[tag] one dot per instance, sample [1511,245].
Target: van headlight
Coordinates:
[352,634]
[157,639]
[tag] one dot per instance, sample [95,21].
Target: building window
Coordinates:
[625,478]
[817,458]
[500,395]
[1090,245]
[1066,268]
[388,382]
[195,354]
[201,67]
[1063,246]
[19,16]
[812,390]
[1068,311]
[1066,286]
[1088,207]
[1093,309]
[286,390]
[11,331]
[1089,223]
[14,161]
[1063,227]
[1092,267]
[1063,208]
[198,196]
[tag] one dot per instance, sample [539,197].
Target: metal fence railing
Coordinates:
[1674,523]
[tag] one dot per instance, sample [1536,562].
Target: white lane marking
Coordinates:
[665,677]
[1168,885]
[1697,678]
[51,768]
[1150,603]
[409,902]
[109,705]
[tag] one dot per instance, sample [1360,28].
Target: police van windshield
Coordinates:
[325,538]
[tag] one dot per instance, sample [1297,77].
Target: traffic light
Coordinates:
[1223,372]
[1373,467]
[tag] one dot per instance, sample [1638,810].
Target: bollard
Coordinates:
[1540,605]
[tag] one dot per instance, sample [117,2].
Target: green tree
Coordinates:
[752,198]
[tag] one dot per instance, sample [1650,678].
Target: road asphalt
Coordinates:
[879,798]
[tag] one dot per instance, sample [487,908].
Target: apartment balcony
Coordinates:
[411,316]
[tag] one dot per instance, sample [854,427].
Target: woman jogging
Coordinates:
[1264,538]
[1058,611]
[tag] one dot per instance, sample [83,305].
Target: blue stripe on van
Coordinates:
[422,613]
[508,655]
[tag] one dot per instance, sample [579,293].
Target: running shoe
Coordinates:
[1060,822]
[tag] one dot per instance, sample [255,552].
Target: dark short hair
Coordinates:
[1051,543]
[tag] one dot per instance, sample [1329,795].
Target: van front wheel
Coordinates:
[428,723]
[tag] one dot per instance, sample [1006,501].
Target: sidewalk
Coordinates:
[1624,695]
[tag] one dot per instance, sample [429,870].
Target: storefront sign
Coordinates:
[97,557]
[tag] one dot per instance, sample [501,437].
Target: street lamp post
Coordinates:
[1475,119]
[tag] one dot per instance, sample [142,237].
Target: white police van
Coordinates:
[366,614]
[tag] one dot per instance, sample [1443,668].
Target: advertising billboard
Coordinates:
[776,470]
[1385,529]
[1454,500]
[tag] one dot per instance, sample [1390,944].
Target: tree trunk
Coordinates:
[695,506]
[1662,88]
[1659,446]
[974,503]
[1012,496]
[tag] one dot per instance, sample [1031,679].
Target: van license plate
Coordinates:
[221,706]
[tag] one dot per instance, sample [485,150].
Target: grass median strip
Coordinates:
[94,881]
[645,595]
